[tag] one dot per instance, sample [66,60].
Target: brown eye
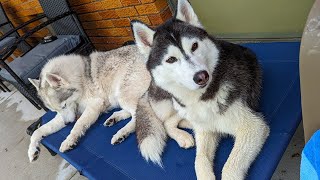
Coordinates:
[171,60]
[194,46]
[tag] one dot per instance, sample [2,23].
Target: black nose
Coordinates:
[201,77]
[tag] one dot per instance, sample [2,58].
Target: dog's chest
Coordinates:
[206,115]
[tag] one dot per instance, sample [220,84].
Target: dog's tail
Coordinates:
[150,131]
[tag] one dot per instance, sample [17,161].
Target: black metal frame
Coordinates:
[9,51]
[85,47]
[11,30]
[55,11]
[3,87]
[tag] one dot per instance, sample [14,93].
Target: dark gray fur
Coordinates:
[87,70]
[157,93]
[64,94]
[147,123]
[101,59]
[143,123]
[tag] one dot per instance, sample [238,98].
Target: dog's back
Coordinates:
[118,68]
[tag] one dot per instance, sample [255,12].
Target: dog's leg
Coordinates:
[124,132]
[116,117]
[249,139]
[88,117]
[183,138]
[206,143]
[51,127]
[184,124]
[128,101]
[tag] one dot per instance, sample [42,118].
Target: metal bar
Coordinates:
[7,53]
[4,86]
[2,89]
[22,84]
[2,24]
[22,25]
[42,25]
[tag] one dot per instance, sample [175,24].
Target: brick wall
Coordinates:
[106,22]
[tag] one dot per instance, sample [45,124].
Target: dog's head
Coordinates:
[57,92]
[180,52]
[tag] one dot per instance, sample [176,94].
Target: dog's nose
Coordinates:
[201,77]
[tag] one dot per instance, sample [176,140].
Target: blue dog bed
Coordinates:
[96,158]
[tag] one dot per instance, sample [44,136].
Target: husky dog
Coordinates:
[74,85]
[215,85]
[79,86]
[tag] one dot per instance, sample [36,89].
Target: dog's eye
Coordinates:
[64,106]
[194,46]
[171,60]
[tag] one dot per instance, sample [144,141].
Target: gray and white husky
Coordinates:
[78,86]
[213,84]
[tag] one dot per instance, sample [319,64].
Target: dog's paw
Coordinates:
[185,140]
[33,153]
[116,117]
[68,144]
[109,122]
[119,138]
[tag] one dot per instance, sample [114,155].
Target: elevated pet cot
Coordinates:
[96,158]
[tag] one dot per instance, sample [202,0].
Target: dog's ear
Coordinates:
[143,36]
[35,83]
[55,80]
[186,13]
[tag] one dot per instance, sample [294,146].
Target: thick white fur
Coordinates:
[110,87]
[162,120]
[51,127]
[249,129]
[151,147]
[165,112]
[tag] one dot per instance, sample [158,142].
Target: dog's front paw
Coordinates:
[117,139]
[68,144]
[185,140]
[33,153]
[109,122]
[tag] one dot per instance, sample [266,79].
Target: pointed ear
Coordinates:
[55,80]
[35,83]
[143,36]
[186,13]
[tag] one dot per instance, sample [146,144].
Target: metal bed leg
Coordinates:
[2,89]
[4,86]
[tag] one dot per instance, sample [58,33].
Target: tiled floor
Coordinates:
[16,114]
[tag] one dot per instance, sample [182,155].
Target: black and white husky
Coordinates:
[213,84]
